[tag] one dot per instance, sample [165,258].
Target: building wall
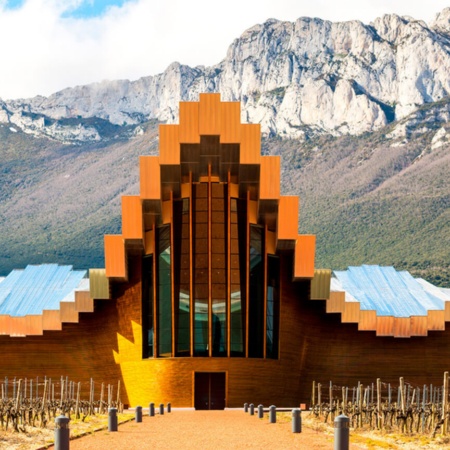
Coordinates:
[107,346]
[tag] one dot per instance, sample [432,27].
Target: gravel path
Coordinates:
[189,429]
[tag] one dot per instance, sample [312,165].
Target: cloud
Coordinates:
[43,49]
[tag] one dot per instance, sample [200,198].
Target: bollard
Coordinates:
[62,433]
[296,420]
[138,414]
[169,407]
[245,407]
[151,409]
[341,432]
[161,409]
[260,411]
[112,419]
[252,409]
[272,414]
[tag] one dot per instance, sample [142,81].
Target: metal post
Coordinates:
[151,409]
[112,419]
[138,414]
[272,414]
[296,420]
[341,432]
[252,409]
[245,404]
[169,407]
[161,409]
[260,412]
[62,433]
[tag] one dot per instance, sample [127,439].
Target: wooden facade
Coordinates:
[180,275]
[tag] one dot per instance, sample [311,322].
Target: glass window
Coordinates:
[256,292]
[273,307]
[147,307]
[164,292]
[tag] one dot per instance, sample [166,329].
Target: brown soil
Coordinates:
[187,429]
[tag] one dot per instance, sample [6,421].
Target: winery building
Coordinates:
[209,298]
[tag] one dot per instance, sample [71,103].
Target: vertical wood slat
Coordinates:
[304,256]
[115,258]
[287,222]
[230,123]
[336,302]
[402,327]
[189,123]
[209,263]
[169,145]
[385,326]
[172,276]
[269,185]
[247,274]
[419,326]
[250,151]
[436,320]
[149,177]
[265,268]
[209,114]
[155,299]
[132,224]
[229,265]
[367,320]
[191,279]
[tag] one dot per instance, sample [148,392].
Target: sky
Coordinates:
[48,45]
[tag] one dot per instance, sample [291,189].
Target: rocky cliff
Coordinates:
[296,79]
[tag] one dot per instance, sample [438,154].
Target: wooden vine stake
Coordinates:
[379,415]
[444,404]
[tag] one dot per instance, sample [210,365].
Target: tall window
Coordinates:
[164,300]
[182,276]
[147,307]
[273,307]
[200,269]
[256,292]
[216,259]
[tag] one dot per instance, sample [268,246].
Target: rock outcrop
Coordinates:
[296,79]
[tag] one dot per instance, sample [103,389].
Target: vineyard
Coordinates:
[380,406]
[36,402]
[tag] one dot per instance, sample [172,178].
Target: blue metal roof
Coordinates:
[388,292]
[35,288]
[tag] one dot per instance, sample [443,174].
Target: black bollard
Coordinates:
[161,409]
[112,419]
[341,432]
[260,411]
[151,409]
[62,433]
[252,409]
[272,414]
[169,407]
[245,407]
[138,414]
[296,420]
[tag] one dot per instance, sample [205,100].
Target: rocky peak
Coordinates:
[295,78]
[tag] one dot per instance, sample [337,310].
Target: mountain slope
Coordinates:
[366,200]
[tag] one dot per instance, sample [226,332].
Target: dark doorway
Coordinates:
[209,390]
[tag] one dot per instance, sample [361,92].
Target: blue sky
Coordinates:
[48,45]
[83,9]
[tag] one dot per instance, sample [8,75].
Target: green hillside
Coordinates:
[367,201]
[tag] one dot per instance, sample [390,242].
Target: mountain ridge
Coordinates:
[297,79]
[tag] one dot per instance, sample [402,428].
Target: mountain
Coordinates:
[297,79]
[359,113]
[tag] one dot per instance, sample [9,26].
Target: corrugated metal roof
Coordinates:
[388,292]
[35,288]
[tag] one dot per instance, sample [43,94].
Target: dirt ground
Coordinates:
[229,429]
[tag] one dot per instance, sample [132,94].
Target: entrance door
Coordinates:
[209,390]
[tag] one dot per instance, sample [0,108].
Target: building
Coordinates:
[209,297]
